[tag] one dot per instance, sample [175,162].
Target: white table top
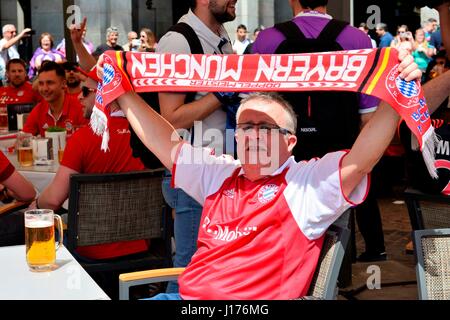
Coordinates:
[39,176]
[52,168]
[69,281]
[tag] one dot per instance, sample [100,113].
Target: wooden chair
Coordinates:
[323,286]
[13,206]
[432,249]
[106,208]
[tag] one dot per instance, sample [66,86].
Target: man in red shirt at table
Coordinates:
[18,90]
[57,108]
[83,155]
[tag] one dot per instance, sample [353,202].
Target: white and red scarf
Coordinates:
[369,71]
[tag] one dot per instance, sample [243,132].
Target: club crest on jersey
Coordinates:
[268,193]
[111,78]
[405,93]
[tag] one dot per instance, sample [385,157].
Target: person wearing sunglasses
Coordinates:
[83,155]
[73,78]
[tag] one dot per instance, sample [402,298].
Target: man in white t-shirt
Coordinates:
[264,215]
[241,41]
[8,49]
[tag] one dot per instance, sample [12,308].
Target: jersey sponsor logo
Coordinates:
[20,93]
[225,233]
[268,193]
[123,131]
[4,98]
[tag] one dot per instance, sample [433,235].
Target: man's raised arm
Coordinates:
[376,135]
[155,132]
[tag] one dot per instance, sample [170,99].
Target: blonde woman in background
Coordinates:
[423,51]
[148,40]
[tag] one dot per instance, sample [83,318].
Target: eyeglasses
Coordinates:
[86,91]
[248,127]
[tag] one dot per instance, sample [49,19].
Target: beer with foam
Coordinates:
[40,243]
[40,238]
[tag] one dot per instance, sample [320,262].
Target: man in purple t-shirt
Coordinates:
[311,17]
[311,23]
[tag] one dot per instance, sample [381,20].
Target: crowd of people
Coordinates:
[424,44]
[288,227]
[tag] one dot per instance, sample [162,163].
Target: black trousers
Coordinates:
[369,222]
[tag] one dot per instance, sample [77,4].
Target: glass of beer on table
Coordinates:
[25,149]
[3,119]
[40,239]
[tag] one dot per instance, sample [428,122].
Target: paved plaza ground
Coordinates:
[398,277]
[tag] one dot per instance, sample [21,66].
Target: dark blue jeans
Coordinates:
[187,221]
[165,296]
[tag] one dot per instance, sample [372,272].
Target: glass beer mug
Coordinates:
[25,149]
[40,238]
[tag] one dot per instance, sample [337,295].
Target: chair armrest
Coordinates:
[13,206]
[309,298]
[127,280]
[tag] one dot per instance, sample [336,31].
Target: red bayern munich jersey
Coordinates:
[6,168]
[41,118]
[83,155]
[262,239]
[23,95]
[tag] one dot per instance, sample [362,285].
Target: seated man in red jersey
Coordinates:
[13,186]
[18,91]
[264,215]
[57,109]
[83,155]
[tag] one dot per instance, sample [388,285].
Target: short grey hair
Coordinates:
[6,27]
[278,99]
[381,26]
[111,30]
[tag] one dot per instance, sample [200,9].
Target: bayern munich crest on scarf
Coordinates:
[405,93]
[111,79]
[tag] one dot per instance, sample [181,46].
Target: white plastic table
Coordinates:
[39,176]
[69,281]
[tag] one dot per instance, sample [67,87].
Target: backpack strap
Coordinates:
[332,30]
[190,35]
[290,30]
